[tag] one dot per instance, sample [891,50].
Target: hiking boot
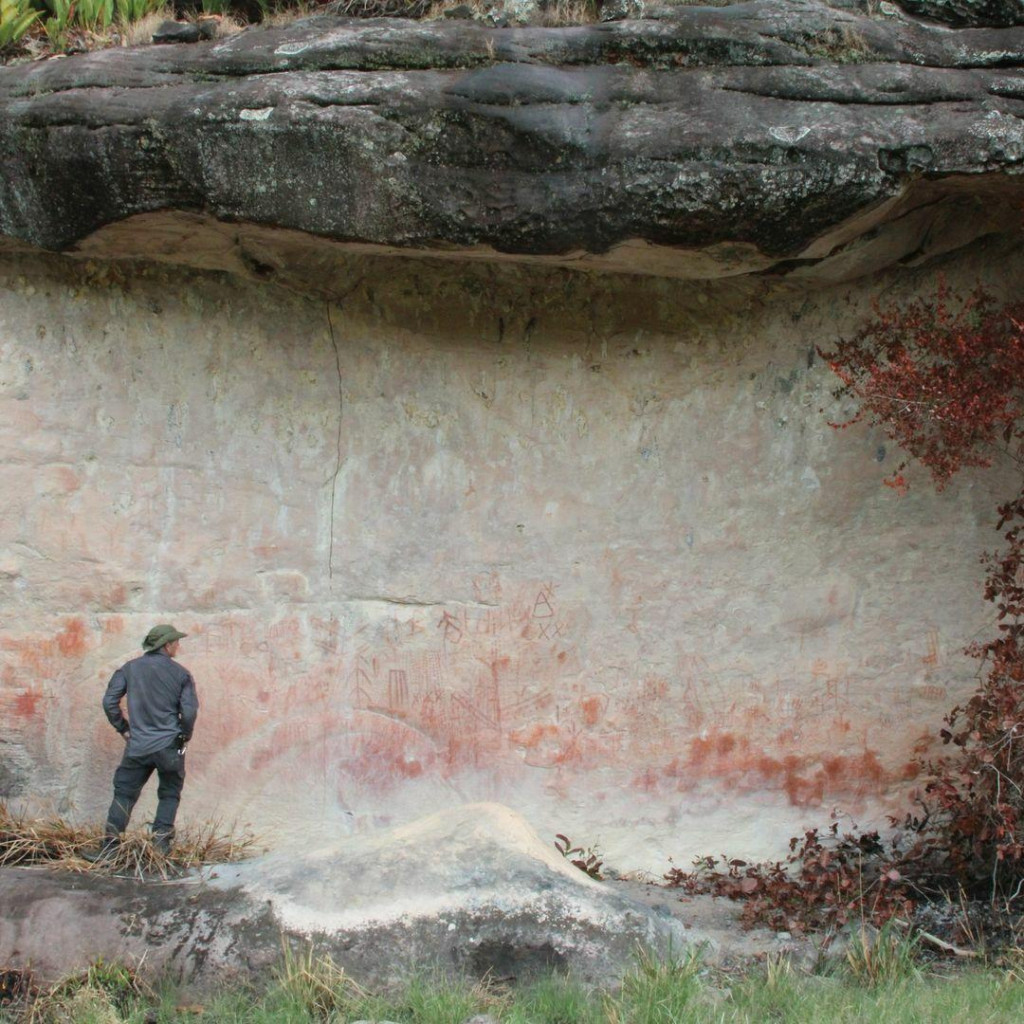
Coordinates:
[162,843]
[107,851]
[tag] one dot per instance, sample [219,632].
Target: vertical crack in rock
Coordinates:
[337,465]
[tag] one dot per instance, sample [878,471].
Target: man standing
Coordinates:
[162,709]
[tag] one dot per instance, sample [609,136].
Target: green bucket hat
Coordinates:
[160,635]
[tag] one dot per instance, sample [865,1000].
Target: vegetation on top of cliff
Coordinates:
[41,28]
[675,33]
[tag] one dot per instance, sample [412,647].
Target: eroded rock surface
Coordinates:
[475,530]
[968,12]
[472,890]
[771,135]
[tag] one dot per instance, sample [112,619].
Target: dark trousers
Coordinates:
[129,778]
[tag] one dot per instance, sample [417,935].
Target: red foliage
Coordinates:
[825,882]
[973,822]
[945,380]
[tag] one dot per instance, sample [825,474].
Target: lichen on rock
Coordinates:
[773,125]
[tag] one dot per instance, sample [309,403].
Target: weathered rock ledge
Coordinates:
[778,136]
[472,891]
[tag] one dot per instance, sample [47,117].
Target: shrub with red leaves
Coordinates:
[972,826]
[824,882]
[945,380]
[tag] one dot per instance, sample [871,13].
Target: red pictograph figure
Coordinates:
[451,626]
[398,688]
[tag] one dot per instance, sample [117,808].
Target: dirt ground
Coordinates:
[715,920]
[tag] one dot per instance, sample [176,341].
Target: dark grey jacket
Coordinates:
[162,702]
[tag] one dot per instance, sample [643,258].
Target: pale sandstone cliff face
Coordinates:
[445,526]
[583,545]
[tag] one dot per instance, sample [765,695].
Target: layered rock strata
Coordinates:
[488,524]
[777,135]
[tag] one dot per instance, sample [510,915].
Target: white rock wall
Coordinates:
[585,546]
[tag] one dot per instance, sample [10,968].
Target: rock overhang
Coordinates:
[778,136]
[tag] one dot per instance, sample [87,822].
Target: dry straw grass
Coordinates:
[316,983]
[563,13]
[278,16]
[60,843]
[140,32]
[554,14]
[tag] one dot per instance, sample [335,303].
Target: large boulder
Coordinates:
[473,891]
[777,135]
[968,12]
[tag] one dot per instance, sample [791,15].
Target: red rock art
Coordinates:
[27,704]
[73,641]
[371,705]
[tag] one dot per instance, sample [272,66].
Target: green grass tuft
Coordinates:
[309,988]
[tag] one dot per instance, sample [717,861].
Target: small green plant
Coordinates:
[658,991]
[431,997]
[93,17]
[58,25]
[588,861]
[16,18]
[103,991]
[128,11]
[90,15]
[778,972]
[554,998]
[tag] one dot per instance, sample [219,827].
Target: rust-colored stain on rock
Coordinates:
[72,640]
[657,605]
